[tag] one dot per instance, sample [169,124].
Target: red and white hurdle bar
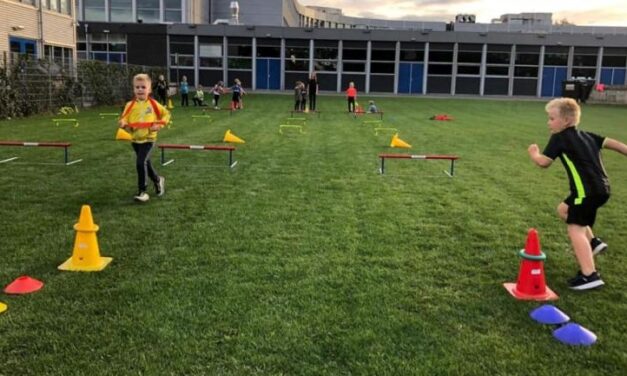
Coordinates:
[228,148]
[422,157]
[64,145]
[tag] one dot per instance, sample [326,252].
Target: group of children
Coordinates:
[578,150]
[218,89]
[351,98]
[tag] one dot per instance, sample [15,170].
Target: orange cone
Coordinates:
[23,285]
[531,284]
[398,143]
[230,137]
[86,254]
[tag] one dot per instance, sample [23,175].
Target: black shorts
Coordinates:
[584,213]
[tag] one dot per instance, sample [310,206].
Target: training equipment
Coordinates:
[228,148]
[230,137]
[290,126]
[199,117]
[398,143]
[452,158]
[384,129]
[108,114]
[3,307]
[442,117]
[86,254]
[574,334]
[531,284]
[71,121]
[293,123]
[122,135]
[23,285]
[549,314]
[64,145]
[170,105]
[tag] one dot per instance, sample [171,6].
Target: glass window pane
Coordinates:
[121,15]
[527,59]
[172,4]
[441,56]
[614,61]
[584,60]
[382,68]
[210,50]
[64,6]
[497,71]
[210,62]
[325,65]
[354,67]
[383,55]
[296,65]
[172,15]
[297,52]
[526,72]
[95,14]
[268,51]
[412,55]
[239,63]
[328,53]
[498,57]
[584,72]
[147,15]
[240,50]
[556,59]
[445,69]
[468,69]
[54,5]
[350,54]
[468,57]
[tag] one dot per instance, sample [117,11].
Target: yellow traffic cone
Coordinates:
[170,105]
[398,143]
[230,137]
[123,135]
[3,307]
[86,254]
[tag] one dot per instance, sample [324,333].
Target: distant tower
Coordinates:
[234,13]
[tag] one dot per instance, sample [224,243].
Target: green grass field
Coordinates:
[303,259]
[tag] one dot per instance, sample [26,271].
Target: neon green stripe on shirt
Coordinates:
[581,193]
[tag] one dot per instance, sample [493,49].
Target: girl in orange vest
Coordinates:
[143,117]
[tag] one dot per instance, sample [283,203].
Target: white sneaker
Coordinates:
[142,197]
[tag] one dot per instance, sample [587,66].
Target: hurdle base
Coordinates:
[167,162]
[73,162]
[233,164]
[9,160]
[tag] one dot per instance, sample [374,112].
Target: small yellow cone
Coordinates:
[123,135]
[398,143]
[230,137]
[86,254]
[170,105]
[3,307]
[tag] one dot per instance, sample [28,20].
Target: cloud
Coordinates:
[598,17]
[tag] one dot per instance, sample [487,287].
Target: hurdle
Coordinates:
[106,114]
[163,147]
[452,158]
[59,121]
[384,129]
[64,145]
[292,112]
[197,117]
[290,126]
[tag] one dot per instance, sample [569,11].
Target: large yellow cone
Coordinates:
[398,143]
[3,307]
[123,135]
[86,254]
[230,137]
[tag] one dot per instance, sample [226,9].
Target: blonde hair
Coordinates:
[142,77]
[566,107]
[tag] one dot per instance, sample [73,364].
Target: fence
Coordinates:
[30,86]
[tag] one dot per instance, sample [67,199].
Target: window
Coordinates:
[210,55]
[172,11]
[64,6]
[412,51]
[59,55]
[296,55]
[325,55]
[148,10]
[94,10]
[106,47]
[240,51]
[469,59]
[556,59]
[121,10]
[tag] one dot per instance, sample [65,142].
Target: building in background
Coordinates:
[38,29]
[270,44]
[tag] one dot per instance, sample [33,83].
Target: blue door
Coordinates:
[262,74]
[274,74]
[410,78]
[552,78]
[268,74]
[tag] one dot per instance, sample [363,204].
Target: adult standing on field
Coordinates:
[312,88]
[161,87]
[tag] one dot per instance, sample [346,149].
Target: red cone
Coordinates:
[531,284]
[23,285]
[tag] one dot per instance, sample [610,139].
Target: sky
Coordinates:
[582,13]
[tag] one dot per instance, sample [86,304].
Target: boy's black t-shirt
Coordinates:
[580,153]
